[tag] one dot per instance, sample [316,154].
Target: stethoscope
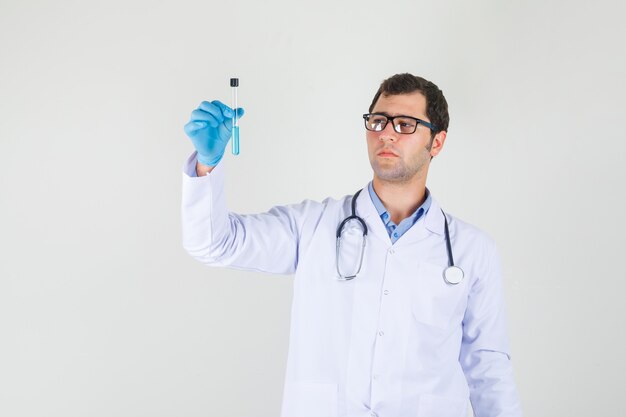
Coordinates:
[452,275]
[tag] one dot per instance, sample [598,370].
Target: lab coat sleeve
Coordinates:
[266,242]
[484,351]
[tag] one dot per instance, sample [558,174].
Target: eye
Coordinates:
[405,122]
[377,123]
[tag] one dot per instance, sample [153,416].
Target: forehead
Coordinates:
[412,104]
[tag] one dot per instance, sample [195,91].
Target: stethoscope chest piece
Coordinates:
[453,275]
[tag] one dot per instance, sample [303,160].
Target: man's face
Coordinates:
[397,157]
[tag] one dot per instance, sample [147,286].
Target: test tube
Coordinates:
[234,83]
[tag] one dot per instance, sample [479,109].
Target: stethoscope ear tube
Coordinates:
[452,274]
[353,216]
[349,277]
[448,244]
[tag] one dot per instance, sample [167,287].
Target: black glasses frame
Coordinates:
[366,117]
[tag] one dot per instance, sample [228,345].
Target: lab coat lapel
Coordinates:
[367,211]
[431,223]
[433,220]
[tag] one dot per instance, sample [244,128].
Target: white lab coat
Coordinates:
[396,341]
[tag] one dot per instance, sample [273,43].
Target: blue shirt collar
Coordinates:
[384,214]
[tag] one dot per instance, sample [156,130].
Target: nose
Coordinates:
[388,133]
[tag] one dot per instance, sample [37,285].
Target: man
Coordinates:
[382,329]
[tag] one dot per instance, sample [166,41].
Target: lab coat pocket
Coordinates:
[310,399]
[434,406]
[435,302]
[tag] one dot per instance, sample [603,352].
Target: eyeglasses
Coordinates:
[376,122]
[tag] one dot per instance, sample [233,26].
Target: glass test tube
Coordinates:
[234,83]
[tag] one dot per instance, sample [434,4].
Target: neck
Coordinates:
[401,199]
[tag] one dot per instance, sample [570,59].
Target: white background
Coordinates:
[101,311]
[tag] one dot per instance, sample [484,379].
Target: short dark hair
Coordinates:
[436,104]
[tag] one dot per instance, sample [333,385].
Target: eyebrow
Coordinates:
[383,113]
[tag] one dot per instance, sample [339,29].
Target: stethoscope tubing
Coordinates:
[452,275]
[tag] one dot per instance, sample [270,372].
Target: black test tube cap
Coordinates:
[234,82]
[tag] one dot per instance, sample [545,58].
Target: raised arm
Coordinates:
[265,242]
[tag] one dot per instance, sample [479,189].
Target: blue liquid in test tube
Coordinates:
[236,140]
[234,83]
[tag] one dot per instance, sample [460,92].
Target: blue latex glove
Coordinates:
[209,129]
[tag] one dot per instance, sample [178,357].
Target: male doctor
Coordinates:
[377,327]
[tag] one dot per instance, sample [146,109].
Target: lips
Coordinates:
[387,153]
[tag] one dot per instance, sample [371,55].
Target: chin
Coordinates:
[392,175]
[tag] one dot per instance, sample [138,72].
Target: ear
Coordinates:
[437,144]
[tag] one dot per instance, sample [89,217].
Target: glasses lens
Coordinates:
[375,122]
[404,125]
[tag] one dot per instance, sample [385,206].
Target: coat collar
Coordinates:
[432,222]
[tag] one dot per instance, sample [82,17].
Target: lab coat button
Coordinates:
[381,333]
[386,292]
[391,251]
[373,414]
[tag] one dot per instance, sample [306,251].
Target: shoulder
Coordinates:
[313,210]
[329,203]
[470,234]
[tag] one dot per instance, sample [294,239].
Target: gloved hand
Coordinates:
[209,129]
